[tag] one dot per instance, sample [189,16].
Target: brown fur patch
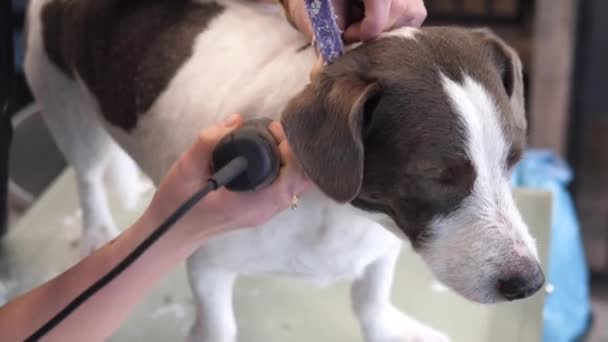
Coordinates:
[126,52]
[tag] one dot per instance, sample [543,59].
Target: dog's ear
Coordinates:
[324,125]
[508,66]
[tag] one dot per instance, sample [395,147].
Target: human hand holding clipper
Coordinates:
[190,206]
[243,160]
[352,20]
[241,208]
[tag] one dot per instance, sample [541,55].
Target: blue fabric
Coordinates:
[567,309]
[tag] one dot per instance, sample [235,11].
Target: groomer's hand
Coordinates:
[360,25]
[223,210]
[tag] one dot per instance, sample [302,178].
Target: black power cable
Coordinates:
[7,80]
[245,160]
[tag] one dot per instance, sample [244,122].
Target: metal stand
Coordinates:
[6,86]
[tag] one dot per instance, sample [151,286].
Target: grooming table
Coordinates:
[268,309]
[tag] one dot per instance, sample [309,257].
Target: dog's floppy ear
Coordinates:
[508,66]
[324,126]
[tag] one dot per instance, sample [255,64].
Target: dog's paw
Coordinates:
[95,237]
[201,338]
[394,326]
[422,334]
[202,332]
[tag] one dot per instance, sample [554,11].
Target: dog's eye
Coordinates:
[454,175]
[442,176]
[447,176]
[513,157]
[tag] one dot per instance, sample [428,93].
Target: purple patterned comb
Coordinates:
[327,34]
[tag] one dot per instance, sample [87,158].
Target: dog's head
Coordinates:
[422,129]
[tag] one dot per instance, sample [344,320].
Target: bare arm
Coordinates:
[100,316]
[219,212]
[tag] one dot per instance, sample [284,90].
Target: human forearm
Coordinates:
[103,313]
[220,212]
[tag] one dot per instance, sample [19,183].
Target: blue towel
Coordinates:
[567,309]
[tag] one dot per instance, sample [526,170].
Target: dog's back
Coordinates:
[141,65]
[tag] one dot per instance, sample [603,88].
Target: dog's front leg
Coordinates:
[212,290]
[380,320]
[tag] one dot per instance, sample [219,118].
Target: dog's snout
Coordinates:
[521,285]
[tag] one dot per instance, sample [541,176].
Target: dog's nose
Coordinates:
[521,285]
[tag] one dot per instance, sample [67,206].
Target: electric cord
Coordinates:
[243,161]
[225,175]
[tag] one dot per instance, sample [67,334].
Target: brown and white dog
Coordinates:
[410,136]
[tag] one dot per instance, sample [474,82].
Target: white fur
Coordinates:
[488,150]
[487,227]
[404,32]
